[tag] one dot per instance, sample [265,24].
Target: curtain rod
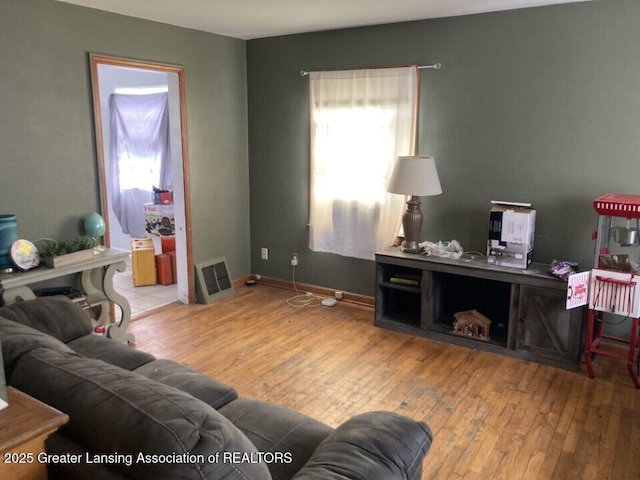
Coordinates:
[435,66]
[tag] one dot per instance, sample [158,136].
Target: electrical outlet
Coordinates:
[338,295]
[294,259]
[264,253]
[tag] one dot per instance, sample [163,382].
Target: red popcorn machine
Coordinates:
[614,282]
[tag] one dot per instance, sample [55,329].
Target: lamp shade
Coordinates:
[415,175]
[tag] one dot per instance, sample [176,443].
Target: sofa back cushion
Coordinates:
[204,388]
[110,351]
[18,339]
[56,316]
[371,446]
[113,410]
[274,428]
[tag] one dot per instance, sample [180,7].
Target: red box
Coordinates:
[168,244]
[166,198]
[164,269]
[174,268]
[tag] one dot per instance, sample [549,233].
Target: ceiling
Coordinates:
[247,19]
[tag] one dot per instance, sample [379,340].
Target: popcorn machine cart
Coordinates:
[614,284]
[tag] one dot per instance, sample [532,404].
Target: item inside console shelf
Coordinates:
[410,280]
[472,323]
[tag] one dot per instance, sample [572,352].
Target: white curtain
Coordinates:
[361,120]
[139,156]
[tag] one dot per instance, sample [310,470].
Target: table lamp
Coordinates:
[415,176]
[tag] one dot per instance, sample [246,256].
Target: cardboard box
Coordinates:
[143,262]
[174,266]
[163,197]
[168,244]
[511,234]
[164,269]
[166,198]
[159,220]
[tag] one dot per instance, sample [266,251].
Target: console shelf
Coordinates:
[421,295]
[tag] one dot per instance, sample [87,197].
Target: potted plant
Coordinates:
[67,252]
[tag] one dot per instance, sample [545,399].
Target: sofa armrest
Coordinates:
[371,446]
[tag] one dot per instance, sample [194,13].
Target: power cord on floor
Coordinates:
[306,299]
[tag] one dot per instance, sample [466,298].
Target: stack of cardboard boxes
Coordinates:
[166,262]
[511,232]
[149,268]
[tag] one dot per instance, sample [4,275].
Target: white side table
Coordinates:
[96,278]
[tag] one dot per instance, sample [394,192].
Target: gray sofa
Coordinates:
[135,416]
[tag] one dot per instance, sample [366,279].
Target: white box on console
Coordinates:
[511,232]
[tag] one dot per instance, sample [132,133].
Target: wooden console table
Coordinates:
[24,426]
[422,295]
[96,279]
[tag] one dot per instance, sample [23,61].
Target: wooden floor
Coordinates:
[493,417]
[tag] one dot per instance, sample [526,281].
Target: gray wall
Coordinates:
[536,105]
[533,105]
[48,172]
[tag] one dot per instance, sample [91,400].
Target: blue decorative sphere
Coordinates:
[94,225]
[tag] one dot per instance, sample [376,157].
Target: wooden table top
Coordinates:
[26,418]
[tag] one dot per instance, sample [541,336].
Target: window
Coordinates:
[361,120]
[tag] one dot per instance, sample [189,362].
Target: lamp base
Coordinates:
[411,247]
[411,223]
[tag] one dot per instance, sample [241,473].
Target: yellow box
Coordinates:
[143,262]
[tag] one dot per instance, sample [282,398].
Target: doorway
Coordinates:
[112,76]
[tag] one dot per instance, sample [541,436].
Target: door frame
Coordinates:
[183,252]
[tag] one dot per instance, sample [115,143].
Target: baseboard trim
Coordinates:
[239,282]
[305,287]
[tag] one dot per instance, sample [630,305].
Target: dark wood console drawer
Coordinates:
[546,330]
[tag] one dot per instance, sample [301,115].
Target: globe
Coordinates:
[94,225]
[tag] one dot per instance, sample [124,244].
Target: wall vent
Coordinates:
[213,281]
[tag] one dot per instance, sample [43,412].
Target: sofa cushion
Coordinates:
[18,339]
[59,444]
[110,351]
[57,316]
[210,391]
[276,429]
[113,410]
[371,446]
